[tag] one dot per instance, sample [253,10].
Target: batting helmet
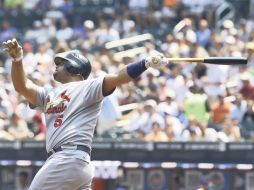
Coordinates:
[76,63]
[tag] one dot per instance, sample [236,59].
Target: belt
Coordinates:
[78,147]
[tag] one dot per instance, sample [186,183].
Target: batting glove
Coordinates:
[156,61]
[14,50]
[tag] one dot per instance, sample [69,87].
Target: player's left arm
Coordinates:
[131,72]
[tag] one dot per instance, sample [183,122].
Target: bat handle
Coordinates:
[196,60]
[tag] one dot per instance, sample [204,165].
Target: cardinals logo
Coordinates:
[58,106]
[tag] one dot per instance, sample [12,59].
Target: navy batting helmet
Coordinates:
[76,63]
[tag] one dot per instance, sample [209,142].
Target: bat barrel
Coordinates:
[212,60]
[226,60]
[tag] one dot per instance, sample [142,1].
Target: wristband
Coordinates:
[17,59]
[134,70]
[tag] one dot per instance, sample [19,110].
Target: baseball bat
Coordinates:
[212,60]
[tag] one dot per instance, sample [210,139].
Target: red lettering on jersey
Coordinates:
[56,109]
[58,122]
[65,97]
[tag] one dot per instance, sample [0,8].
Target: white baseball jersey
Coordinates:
[71,112]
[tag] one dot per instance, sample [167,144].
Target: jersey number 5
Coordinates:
[58,122]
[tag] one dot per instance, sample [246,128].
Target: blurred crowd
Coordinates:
[181,102]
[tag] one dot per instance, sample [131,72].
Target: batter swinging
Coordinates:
[71,112]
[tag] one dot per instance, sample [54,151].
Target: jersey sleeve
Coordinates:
[95,92]
[41,99]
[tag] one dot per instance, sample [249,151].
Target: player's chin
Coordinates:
[56,76]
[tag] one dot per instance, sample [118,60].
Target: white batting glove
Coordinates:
[14,50]
[156,61]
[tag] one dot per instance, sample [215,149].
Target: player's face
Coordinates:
[60,74]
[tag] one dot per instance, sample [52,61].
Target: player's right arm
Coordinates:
[20,82]
[131,72]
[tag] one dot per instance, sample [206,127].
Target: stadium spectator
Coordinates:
[220,109]
[193,132]
[170,47]
[126,95]
[145,115]
[149,49]
[79,31]
[66,7]
[90,34]
[7,31]
[196,105]
[156,133]
[105,33]
[18,127]
[163,89]
[132,31]
[54,14]
[182,115]
[169,131]
[57,3]
[203,34]
[29,58]
[247,90]
[141,5]
[176,82]
[150,115]
[230,132]
[173,127]
[4,123]
[39,127]
[135,121]
[139,135]
[216,77]
[5,105]
[122,24]
[25,112]
[61,46]
[29,5]
[247,124]
[12,4]
[227,27]
[250,53]
[209,134]
[11,97]
[169,105]
[238,108]
[42,56]
[49,28]
[152,83]
[36,34]
[64,33]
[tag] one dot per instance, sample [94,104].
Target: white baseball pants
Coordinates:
[65,170]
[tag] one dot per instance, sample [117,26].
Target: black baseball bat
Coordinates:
[213,60]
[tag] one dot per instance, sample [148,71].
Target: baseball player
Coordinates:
[71,111]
